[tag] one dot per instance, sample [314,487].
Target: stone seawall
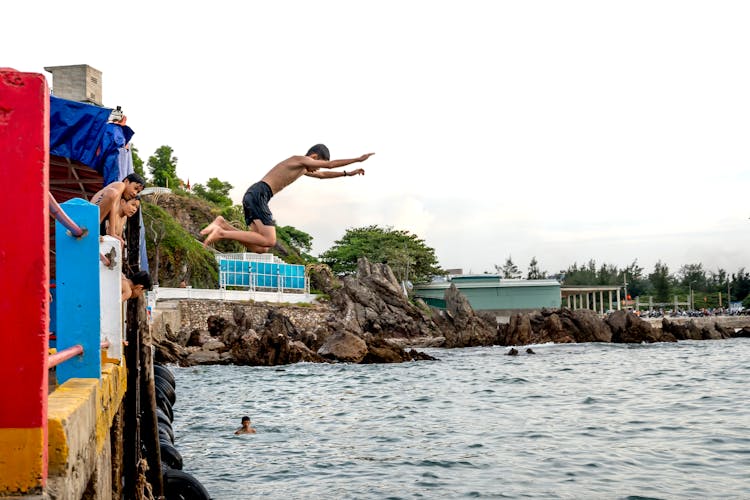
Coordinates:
[189,315]
[724,321]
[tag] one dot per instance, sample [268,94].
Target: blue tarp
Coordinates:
[80,131]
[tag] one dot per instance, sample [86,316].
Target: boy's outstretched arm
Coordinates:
[311,164]
[332,175]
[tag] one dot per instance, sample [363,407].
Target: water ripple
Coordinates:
[634,422]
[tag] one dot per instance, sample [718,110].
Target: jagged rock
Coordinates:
[216,325]
[460,326]
[513,352]
[198,338]
[270,349]
[589,326]
[244,349]
[169,352]
[203,358]
[715,331]
[280,324]
[380,351]
[323,279]
[214,345]
[628,328]
[420,356]
[687,331]
[745,332]
[418,342]
[517,332]
[170,335]
[344,346]
[552,330]
[241,321]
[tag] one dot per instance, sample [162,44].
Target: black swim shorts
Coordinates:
[255,204]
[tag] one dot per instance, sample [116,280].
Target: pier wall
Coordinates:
[81,414]
[725,321]
[58,406]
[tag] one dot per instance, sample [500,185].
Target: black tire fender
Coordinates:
[163,405]
[179,485]
[169,455]
[167,431]
[163,372]
[166,389]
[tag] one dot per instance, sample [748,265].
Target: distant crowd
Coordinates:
[693,313]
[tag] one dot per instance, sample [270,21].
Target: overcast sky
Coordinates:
[562,130]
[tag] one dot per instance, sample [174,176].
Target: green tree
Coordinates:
[137,162]
[297,241]
[607,275]
[717,280]
[534,272]
[633,275]
[508,270]
[407,255]
[584,275]
[661,281]
[215,191]
[740,284]
[693,276]
[163,168]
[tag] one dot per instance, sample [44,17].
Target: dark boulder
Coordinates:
[344,346]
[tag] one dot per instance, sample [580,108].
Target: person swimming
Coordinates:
[245,429]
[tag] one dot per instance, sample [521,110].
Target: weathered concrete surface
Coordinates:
[80,414]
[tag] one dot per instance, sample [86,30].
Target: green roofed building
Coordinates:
[488,292]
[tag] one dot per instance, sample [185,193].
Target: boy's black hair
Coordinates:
[142,278]
[135,178]
[245,418]
[321,150]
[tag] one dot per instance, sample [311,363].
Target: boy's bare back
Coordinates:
[285,173]
[295,167]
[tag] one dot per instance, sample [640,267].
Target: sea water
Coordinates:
[666,420]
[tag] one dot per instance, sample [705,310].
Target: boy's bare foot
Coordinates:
[214,225]
[212,236]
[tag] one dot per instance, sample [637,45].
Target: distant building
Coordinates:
[489,292]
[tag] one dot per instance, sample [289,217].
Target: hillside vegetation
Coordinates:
[172,224]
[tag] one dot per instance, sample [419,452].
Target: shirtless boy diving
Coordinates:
[261,236]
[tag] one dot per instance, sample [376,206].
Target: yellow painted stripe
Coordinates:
[74,401]
[70,409]
[21,461]
[111,393]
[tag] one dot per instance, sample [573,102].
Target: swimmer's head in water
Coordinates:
[321,150]
[245,419]
[134,184]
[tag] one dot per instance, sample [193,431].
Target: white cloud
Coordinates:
[561,130]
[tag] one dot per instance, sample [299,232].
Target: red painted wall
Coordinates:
[24,249]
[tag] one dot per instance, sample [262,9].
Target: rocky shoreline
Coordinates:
[367,319]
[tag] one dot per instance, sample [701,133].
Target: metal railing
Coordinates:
[64,355]
[58,213]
